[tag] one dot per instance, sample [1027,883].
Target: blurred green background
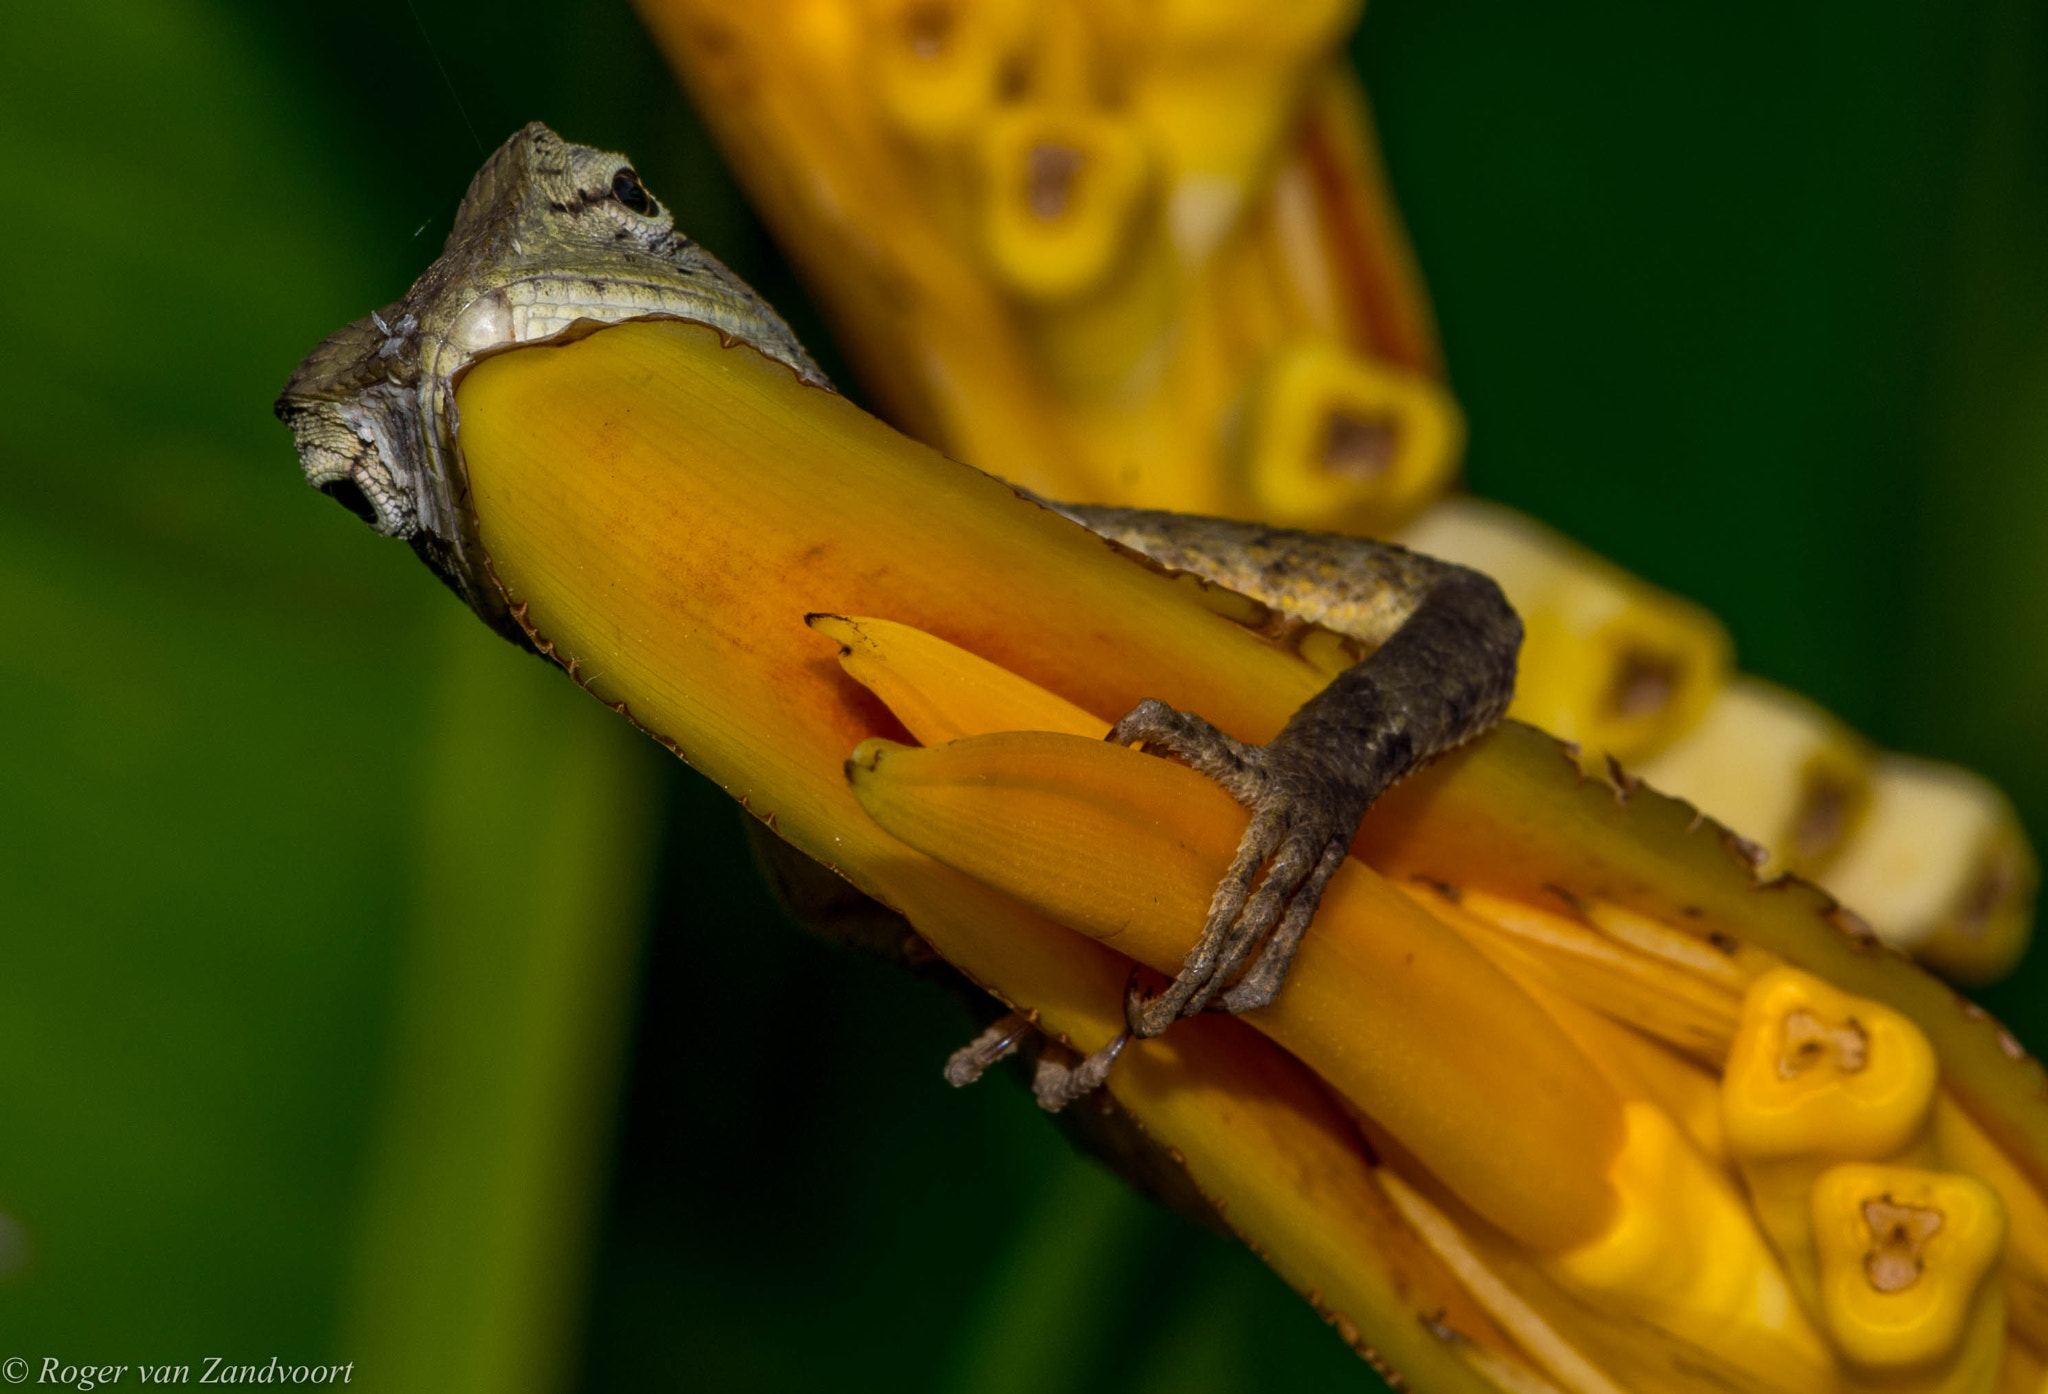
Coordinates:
[366,994]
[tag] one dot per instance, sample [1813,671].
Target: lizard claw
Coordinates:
[1238,767]
[1057,1084]
[1302,825]
[998,1042]
[1058,1075]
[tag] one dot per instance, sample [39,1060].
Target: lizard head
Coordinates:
[540,196]
[552,240]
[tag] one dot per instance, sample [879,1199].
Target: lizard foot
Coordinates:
[972,1060]
[1057,1083]
[1303,820]
[1058,1075]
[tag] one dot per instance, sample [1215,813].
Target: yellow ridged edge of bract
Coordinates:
[1932,856]
[662,511]
[1777,768]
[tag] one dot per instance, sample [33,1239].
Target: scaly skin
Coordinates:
[550,237]
[1442,672]
[555,239]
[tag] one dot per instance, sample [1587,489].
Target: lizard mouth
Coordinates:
[346,450]
[350,495]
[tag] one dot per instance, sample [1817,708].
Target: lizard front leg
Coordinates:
[1443,672]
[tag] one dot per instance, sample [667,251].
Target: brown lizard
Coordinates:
[555,239]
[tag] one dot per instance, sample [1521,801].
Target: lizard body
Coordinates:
[555,239]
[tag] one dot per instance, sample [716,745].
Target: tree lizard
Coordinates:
[554,240]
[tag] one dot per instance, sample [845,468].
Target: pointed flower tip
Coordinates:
[1815,1070]
[866,761]
[835,627]
[1904,1254]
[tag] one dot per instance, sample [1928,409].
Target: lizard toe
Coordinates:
[1238,767]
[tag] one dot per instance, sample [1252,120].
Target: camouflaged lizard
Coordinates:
[555,239]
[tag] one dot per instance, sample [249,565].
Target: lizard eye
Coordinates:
[626,188]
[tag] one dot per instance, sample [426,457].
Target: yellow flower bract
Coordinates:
[663,512]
